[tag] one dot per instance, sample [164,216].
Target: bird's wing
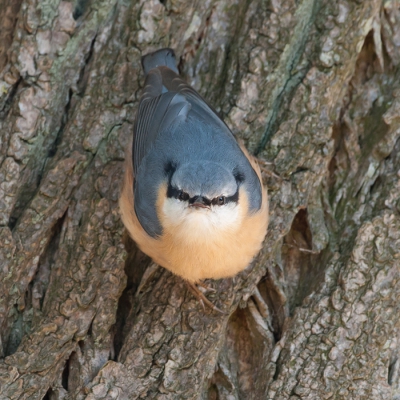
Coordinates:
[158,109]
[174,83]
[203,111]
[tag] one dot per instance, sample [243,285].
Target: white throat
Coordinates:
[193,224]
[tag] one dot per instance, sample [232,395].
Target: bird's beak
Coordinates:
[198,202]
[199,205]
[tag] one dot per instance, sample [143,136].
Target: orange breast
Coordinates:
[219,255]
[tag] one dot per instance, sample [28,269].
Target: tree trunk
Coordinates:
[310,86]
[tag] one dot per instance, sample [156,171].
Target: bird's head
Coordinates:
[204,193]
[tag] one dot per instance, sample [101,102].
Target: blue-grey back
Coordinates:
[174,125]
[188,140]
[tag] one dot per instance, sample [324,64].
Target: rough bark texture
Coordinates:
[312,87]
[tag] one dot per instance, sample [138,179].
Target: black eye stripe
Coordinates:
[227,199]
[183,196]
[169,169]
[234,197]
[239,176]
[219,201]
[173,192]
[177,193]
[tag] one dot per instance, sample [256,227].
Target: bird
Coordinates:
[192,197]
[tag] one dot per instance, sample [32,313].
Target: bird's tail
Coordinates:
[160,57]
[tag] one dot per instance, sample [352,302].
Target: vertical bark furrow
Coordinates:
[8,16]
[55,334]
[338,320]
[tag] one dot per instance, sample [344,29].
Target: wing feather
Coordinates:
[173,82]
[157,111]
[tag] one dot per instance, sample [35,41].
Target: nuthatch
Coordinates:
[193,198]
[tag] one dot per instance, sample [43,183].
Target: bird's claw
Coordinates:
[203,299]
[207,288]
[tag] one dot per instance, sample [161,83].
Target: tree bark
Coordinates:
[313,88]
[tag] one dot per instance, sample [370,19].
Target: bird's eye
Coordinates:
[182,196]
[221,200]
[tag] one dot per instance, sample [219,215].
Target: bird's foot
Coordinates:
[201,298]
[207,288]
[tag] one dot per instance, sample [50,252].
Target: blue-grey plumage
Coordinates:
[189,175]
